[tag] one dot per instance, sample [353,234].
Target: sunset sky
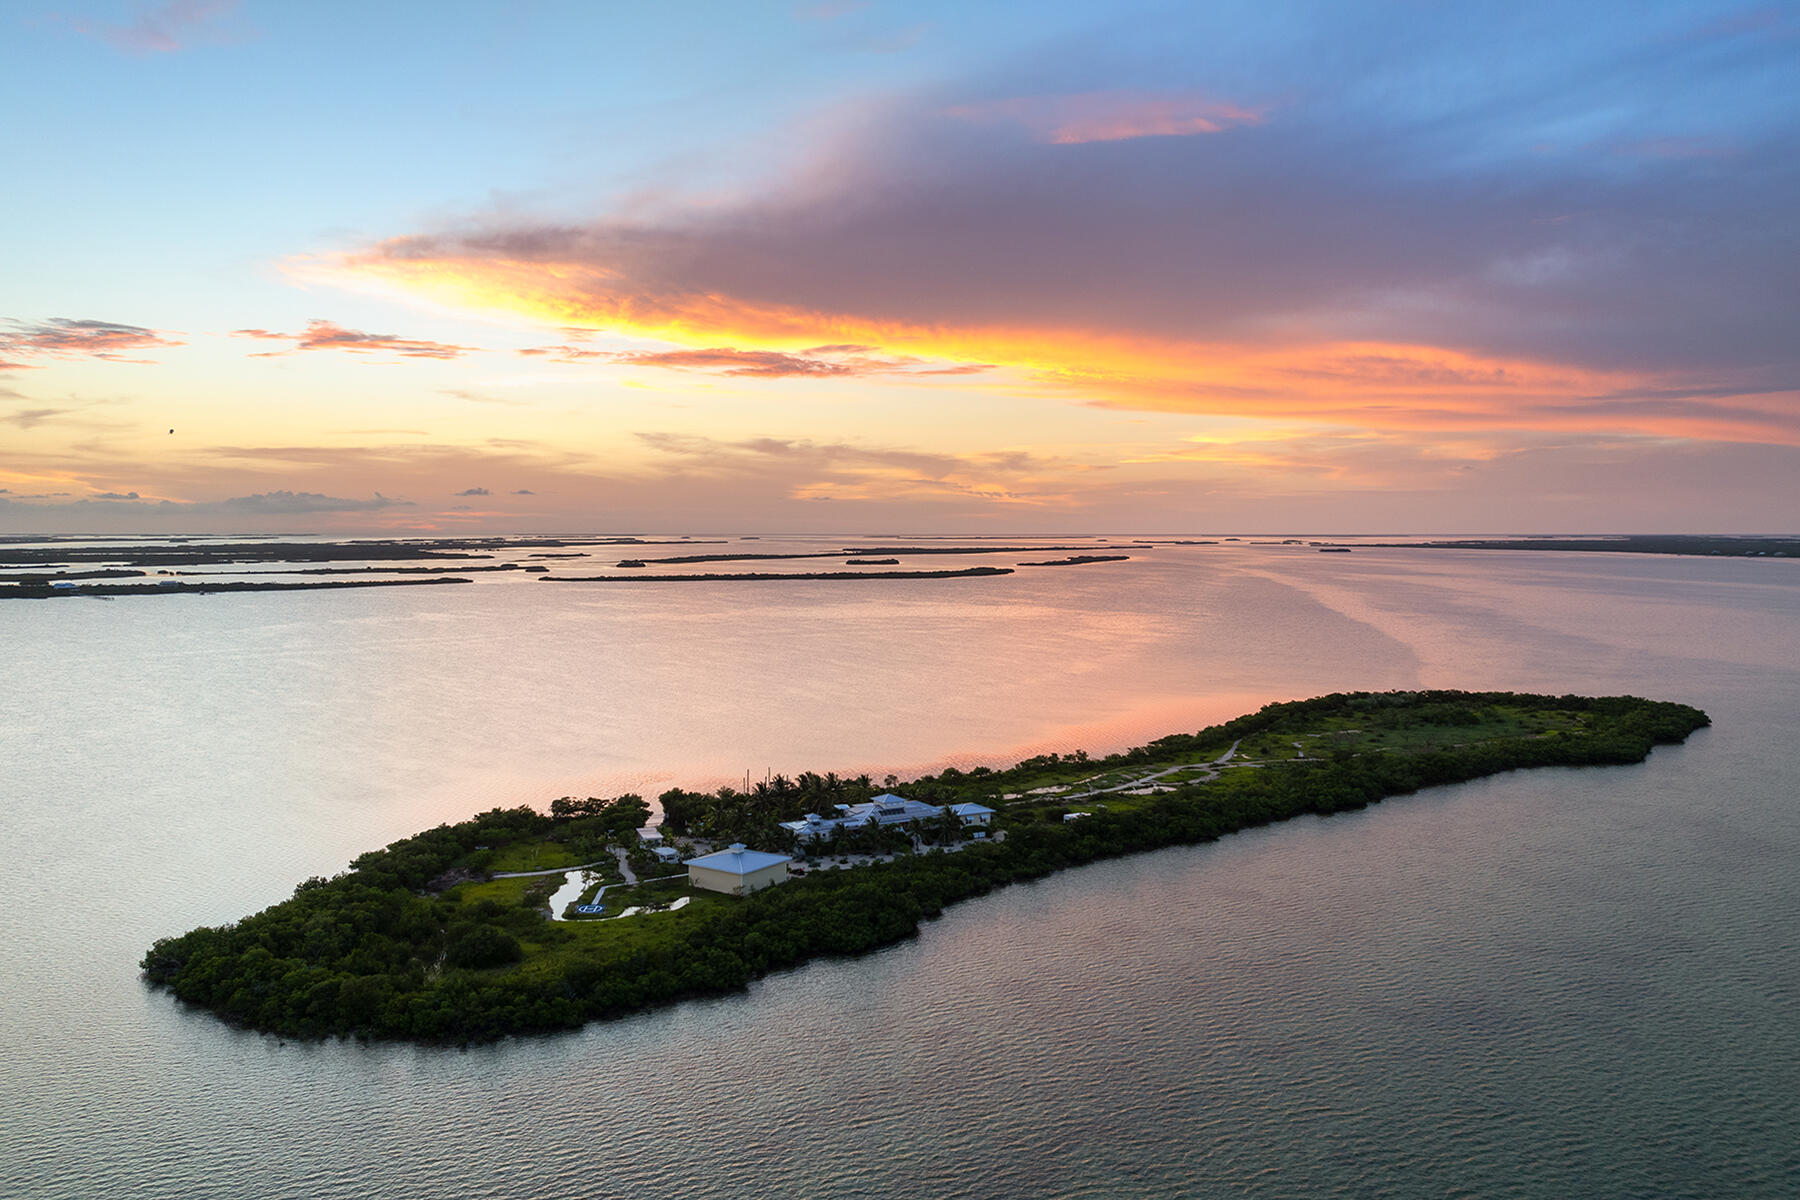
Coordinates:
[848,267]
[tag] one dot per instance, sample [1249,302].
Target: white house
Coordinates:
[736,870]
[973,814]
[889,809]
[650,835]
[885,809]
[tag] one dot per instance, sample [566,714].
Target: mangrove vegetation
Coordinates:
[432,939]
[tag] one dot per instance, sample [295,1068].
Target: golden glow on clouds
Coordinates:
[1375,385]
[327,335]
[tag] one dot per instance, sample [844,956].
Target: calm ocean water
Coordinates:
[1551,984]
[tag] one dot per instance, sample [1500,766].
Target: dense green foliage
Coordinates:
[753,817]
[367,954]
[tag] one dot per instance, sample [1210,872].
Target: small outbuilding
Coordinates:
[973,814]
[650,835]
[737,871]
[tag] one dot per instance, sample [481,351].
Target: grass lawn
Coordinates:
[587,939]
[505,892]
[1356,733]
[532,856]
[1085,776]
[1364,746]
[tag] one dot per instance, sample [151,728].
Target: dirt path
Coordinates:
[1212,770]
[618,854]
[551,871]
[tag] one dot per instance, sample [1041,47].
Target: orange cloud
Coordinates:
[817,362]
[323,335]
[1321,379]
[767,364]
[1113,116]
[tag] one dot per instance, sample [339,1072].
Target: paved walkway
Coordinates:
[1212,770]
[551,871]
[595,899]
[624,866]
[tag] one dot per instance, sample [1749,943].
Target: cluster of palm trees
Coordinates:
[754,816]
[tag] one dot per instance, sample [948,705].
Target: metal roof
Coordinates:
[737,860]
[889,809]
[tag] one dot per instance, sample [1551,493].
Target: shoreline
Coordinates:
[768,576]
[107,591]
[471,965]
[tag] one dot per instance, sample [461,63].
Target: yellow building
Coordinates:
[737,871]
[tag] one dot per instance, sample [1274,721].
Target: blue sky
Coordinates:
[963,266]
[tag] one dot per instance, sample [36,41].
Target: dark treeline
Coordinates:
[708,558]
[1642,543]
[754,816]
[586,826]
[180,552]
[27,591]
[365,954]
[984,549]
[777,577]
[1078,560]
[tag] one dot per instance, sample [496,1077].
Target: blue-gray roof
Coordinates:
[889,809]
[737,861]
[885,809]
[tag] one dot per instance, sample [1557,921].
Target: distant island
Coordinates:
[889,553]
[1711,545]
[443,937]
[767,576]
[53,567]
[187,552]
[174,587]
[1076,560]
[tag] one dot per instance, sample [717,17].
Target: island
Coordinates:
[461,569]
[774,576]
[444,937]
[682,559]
[1712,545]
[174,587]
[68,550]
[1076,560]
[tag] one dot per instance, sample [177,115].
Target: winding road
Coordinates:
[1212,768]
